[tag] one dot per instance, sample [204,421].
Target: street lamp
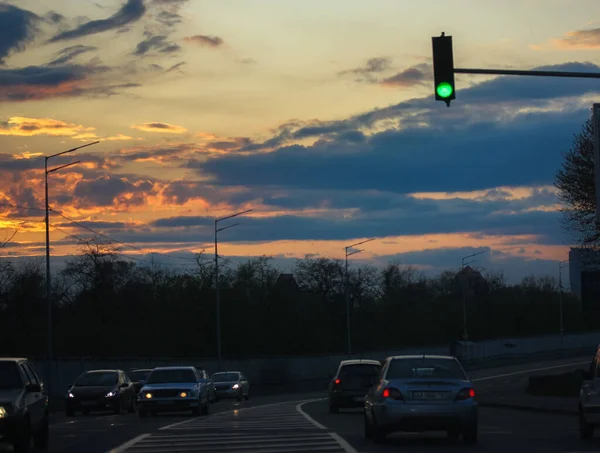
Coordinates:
[347,290]
[464,294]
[48,281]
[217,288]
[561,266]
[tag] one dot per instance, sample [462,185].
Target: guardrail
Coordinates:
[289,374]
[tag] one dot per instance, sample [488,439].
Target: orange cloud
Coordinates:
[165,128]
[574,40]
[205,40]
[28,127]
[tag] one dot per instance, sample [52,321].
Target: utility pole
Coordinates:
[48,277]
[347,291]
[464,293]
[596,120]
[561,266]
[217,286]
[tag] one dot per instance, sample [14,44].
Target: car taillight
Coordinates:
[338,381]
[392,393]
[465,394]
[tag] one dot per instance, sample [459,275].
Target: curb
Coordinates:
[522,407]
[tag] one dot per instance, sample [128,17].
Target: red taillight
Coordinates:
[465,394]
[392,393]
[338,381]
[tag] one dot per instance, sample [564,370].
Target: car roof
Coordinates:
[102,371]
[223,372]
[141,369]
[360,362]
[174,368]
[422,356]
[12,359]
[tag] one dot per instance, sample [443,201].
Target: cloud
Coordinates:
[69,53]
[112,190]
[410,77]
[17,28]
[366,73]
[574,40]
[205,40]
[158,43]
[165,128]
[132,11]
[28,127]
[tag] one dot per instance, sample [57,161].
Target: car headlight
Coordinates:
[183,394]
[147,395]
[236,386]
[70,395]
[2,412]
[112,393]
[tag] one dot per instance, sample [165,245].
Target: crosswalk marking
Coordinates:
[279,428]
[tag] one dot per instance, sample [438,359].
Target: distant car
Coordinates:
[351,383]
[138,377]
[422,393]
[231,384]
[171,389]
[23,406]
[100,390]
[589,399]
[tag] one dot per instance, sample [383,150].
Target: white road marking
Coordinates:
[516,373]
[343,443]
[308,417]
[130,443]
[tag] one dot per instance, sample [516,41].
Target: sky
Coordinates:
[319,117]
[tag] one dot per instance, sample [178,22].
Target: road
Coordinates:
[277,423]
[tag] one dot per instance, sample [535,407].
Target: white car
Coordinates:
[589,399]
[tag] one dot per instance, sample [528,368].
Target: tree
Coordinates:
[575,183]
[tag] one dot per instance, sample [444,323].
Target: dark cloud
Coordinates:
[107,190]
[416,75]
[367,72]
[96,225]
[156,43]
[54,18]
[69,53]
[131,12]
[204,40]
[17,28]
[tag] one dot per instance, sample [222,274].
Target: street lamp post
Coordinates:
[561,266]
[48,278]
[217,288]
[464,294]
[347,290]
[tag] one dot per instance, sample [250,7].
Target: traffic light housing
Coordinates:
[443,69]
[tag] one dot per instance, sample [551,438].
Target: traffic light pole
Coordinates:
[575,75]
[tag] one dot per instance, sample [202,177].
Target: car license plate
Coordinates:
[88,403]
[165,403]
[429,395]
[359,398]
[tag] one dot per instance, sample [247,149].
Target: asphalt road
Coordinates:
[500,430]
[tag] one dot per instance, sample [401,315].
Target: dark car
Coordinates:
[100,390]
[351,383]
[138,378]
[23,406]
[231,384]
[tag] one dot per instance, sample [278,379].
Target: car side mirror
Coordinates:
[124,384]
[33,388]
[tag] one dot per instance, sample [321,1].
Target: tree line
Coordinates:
[106,306]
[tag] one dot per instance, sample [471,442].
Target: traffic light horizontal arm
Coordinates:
[584,75]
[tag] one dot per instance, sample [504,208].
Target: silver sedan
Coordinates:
[421,393]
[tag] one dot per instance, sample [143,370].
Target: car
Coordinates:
[589,399]
[351,383]
[100,390]
[173,389]
[138,378]
[416,393]
[23,406]
[231,384]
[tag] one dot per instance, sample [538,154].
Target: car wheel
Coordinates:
[368,428]
[247,396]
[333,409]
[470,435]
[132,406]
[378,432]
[23,443]
[586,430]
[142,413]
[118,408]
[40,440]
[205,408]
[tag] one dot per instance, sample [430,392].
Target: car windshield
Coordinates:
[171,376]
[225,377]
[432,368]
[139,375]
[97,378]
[9,376]
[359,369]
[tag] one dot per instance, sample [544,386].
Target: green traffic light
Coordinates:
[444,90]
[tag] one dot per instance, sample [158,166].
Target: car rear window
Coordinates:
[424,368]
[359,369]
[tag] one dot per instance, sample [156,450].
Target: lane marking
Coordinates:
[516,373]
[343,443]
[130,443]
[234,410]
[308,417]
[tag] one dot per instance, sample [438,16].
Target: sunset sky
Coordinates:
[317,115]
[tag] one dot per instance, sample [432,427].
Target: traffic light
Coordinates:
[443,69]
